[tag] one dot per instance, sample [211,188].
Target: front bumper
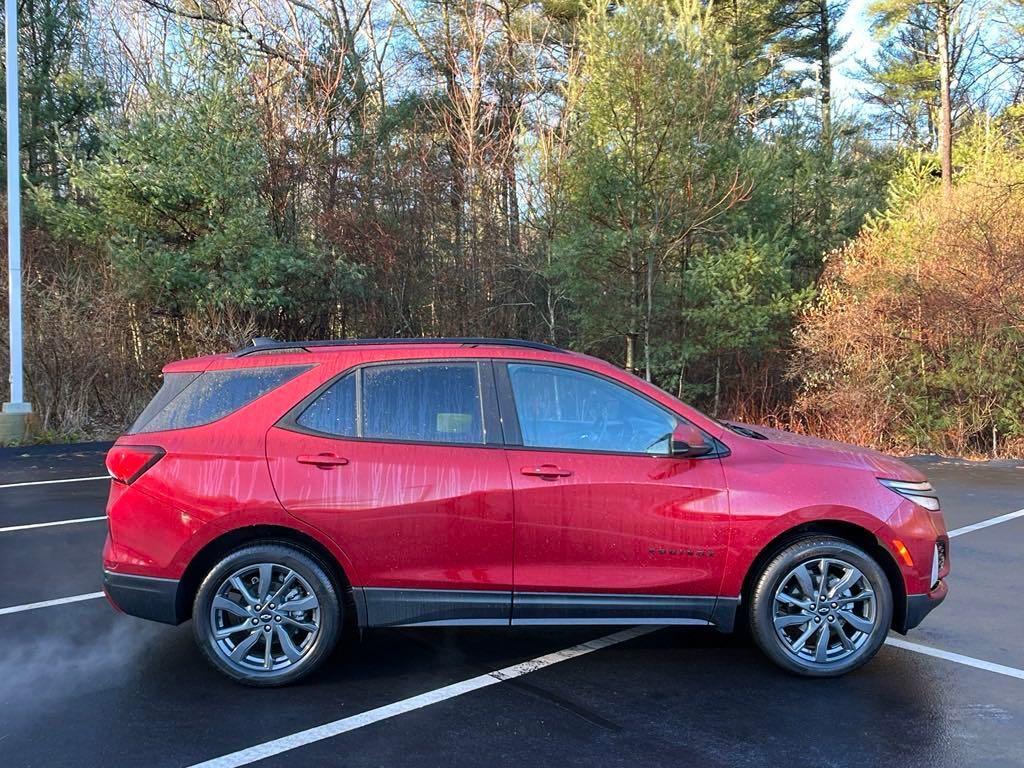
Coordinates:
[144,596]
[919,606]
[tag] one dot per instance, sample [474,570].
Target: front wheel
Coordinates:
[821,608]
[267,615]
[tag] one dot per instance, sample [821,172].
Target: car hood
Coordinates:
[827,452]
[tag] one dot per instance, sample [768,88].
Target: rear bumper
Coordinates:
[144,596]
[919,606]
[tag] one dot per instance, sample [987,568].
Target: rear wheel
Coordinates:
[822,607]
[267,615]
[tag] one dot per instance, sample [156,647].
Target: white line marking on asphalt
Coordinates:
[957,658]
[346,724]
[49,603]
[986,523]
[53,482]
[30,526]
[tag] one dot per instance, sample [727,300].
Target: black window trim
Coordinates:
[510,416]
[490,423]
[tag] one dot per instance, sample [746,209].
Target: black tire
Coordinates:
[778,644]
[308,647]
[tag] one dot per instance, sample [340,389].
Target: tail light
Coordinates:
[127,463]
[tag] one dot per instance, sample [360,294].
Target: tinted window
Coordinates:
[334,410]
[173,385]
[212,395]
[436,403]
[562,408]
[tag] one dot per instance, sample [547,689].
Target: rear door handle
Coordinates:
[547,471]
[322,460]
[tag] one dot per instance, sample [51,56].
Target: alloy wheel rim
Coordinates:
[824,611]
[264,619]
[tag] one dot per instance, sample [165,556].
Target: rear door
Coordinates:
[609,527]
[401,465]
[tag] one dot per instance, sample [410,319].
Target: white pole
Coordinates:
[16,404]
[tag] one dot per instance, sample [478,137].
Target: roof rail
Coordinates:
[265,344]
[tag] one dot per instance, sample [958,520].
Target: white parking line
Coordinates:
[987,523]
[300,739]
[956,658]
[54,482]
[346,724]
[49,603]
[30,526]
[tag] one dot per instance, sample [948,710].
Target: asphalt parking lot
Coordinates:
[82,685]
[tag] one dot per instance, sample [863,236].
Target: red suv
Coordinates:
[281,491]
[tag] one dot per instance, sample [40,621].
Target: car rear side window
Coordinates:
[423,402]
[434,403]
[334,410]
[174,384]
[191,400]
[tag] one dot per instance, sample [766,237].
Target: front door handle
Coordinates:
[322,460]
[547,471]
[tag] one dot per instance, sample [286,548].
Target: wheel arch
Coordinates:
[215,550]
[851,532]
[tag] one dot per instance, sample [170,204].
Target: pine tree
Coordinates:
[807,33]
[890,15]
[651,162]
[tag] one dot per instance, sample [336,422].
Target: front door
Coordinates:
[609,527]
[401,466]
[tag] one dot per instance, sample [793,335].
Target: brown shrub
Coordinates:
[917,340]
[92,358]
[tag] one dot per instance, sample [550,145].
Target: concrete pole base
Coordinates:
[14,422]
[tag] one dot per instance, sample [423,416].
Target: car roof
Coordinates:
[267,352]
[263,344]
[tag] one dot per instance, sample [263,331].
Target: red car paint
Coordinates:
[451,517]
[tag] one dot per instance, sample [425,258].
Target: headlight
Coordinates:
[921,494]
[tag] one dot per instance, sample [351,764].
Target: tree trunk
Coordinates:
[649,316]
[945,106]
[825,61]
[512,209]
[510,116]
[551,316]
[718,384]
[456,153]
[684,264]
[633,329]
[823,204]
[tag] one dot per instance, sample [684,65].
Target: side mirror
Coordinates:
[689,442]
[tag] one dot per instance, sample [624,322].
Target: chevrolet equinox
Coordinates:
[279,492]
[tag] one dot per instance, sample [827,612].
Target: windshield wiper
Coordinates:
[745,431]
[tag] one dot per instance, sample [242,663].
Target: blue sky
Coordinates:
[860,47]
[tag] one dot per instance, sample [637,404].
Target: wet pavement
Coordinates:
[82,685]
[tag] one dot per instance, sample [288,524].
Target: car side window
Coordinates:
[194,399]
[571,409]
[334,411]
[428,402]
[432,402]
